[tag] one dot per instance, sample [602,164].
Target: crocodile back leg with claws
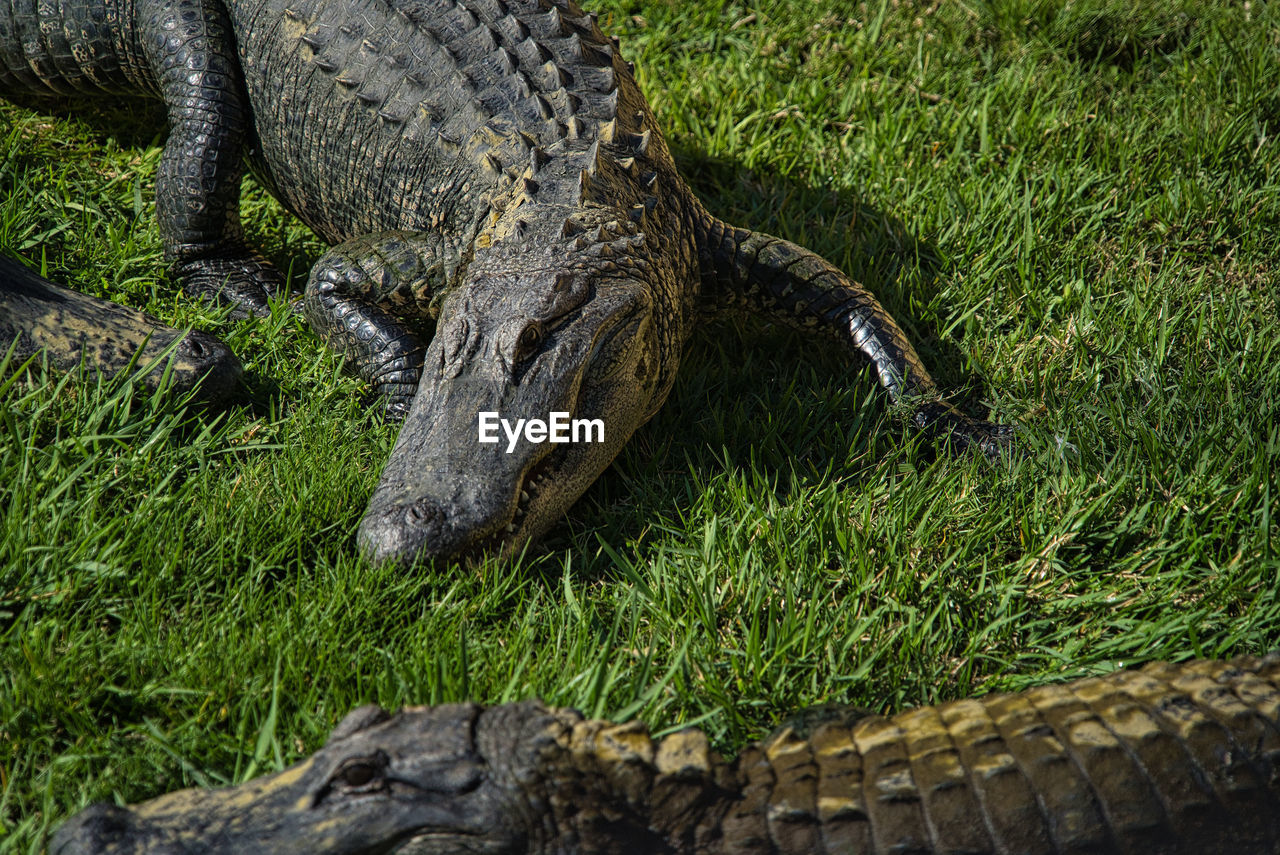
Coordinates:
[182,51]
[510,234]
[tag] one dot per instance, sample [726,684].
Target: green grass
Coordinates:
[1071,207]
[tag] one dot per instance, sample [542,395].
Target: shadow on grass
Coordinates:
[757,397]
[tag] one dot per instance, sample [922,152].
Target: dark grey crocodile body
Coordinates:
[488,166]
[1168,759]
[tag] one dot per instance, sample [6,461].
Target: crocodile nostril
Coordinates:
[195,347]
[423,512]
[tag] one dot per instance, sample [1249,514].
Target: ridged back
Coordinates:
[1167,759]
[418,114]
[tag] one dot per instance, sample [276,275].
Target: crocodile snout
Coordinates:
[421,530]
[99,828]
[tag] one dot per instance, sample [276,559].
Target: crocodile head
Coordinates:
[450,780]
[526,361]
[414,783]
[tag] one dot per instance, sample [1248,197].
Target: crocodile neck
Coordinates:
[667,795]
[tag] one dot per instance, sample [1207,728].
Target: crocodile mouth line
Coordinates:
[532,483]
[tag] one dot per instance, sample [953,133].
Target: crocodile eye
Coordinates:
[361,774]
[530,341]
[358,774]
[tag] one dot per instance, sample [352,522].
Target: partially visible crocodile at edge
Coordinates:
[1167,759]
[509,231]
[68,327]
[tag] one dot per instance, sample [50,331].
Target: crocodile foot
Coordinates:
[391,405]
[961,433]
[243,281]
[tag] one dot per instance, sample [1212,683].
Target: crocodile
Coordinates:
[509,233]
[1165,759]
[38,317]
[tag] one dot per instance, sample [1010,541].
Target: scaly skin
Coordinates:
[1167,759]
[486,166]
[68,326]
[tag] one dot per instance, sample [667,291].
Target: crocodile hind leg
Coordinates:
[359,295]
[792,284]
[191,51]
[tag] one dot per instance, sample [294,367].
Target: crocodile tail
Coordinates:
[763,273]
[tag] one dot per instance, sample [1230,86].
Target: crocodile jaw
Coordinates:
[416,783]
[443,494]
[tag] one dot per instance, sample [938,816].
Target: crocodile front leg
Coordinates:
[191,51]
[791,284]
[360,292]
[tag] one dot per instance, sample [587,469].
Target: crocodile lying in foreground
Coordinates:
[1166,759]
[489,166]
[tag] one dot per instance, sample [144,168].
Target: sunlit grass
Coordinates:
[1071,207]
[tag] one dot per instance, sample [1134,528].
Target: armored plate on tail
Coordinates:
[487,169]
[1172,759]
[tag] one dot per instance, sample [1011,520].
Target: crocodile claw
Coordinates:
[961,433]
[244,282]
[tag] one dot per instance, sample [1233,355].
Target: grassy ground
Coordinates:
[1071,206]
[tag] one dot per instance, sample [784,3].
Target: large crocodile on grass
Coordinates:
[1167,759]
[488,167]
